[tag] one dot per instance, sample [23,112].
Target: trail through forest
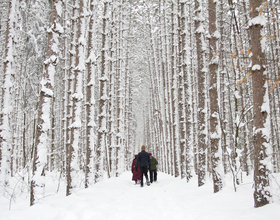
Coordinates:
[86,82]
[169,198]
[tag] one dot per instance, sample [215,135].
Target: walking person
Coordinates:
[153,168]
[136,174]
[144,162]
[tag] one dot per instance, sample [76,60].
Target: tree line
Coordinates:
[85,83]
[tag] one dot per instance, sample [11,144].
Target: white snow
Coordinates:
[261,20]
[256,67]
[237,95]
[58,7]
[119,199]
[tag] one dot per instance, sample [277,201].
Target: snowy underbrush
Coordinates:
[15,190]
[120,198]
[18,188]
[275,187]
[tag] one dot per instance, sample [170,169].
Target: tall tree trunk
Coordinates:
[181,88]
[166,86]
[69,102]
[102,113]
[262,146]
[91,62]
[77,97]
[216,152]
[201,112]
[174,92]
[7,94]
[45,103]
[162,87]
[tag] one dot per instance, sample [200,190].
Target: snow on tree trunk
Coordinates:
[174,92]
[162,157]
[157,102]
[166,86]
[90,101]
[7,100]
[181,88]
[187,73]
[201,111]
[112,102]
[69,92]
[77,97]
[66,86]
[112,99]
[215,146]
[120,90]
[45,103]
[102,112]
[261,120]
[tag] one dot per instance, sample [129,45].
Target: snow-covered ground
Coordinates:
[119,199]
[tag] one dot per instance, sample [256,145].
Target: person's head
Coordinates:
[143,147]
[135,155]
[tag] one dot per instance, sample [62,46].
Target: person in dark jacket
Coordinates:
[143,160]
[136,173]
[153,168]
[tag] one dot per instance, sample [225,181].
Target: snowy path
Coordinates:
[170,198]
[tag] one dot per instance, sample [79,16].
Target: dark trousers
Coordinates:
[153,175]
[144,172]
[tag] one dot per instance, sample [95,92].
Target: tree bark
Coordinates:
[102,113]
[262,146]
[46,98]
[201,112]
[215,147]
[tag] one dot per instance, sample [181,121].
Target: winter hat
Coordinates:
[150,154]
[143,147]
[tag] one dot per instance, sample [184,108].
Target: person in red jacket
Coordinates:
[136,174]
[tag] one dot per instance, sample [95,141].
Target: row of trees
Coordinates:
[87,82]
[217,105]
